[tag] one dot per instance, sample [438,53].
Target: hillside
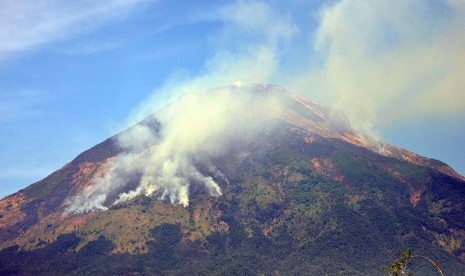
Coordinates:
[277,185]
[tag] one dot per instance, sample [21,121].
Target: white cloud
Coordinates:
[90,48]
[27,24]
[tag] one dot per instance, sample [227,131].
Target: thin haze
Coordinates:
[384,63]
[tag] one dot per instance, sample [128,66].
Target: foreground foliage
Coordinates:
[399,266]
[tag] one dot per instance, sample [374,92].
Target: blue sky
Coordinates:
[71,75]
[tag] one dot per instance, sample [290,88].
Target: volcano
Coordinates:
[237,180]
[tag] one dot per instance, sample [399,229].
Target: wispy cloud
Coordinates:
[27,24]
[90,48]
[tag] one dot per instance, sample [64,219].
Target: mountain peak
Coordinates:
[219,170]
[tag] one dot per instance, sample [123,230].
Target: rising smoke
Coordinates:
[364,58]
[383,56]
[165,159]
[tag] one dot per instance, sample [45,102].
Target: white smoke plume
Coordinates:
[379,62]
[385,62]
[193,131]
[201,125]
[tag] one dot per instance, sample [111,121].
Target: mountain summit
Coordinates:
[241,179]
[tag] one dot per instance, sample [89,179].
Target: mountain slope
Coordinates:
[303,195]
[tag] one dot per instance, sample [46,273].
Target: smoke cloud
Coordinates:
[174,148]
[387,61]
[197,127]
[378,62]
